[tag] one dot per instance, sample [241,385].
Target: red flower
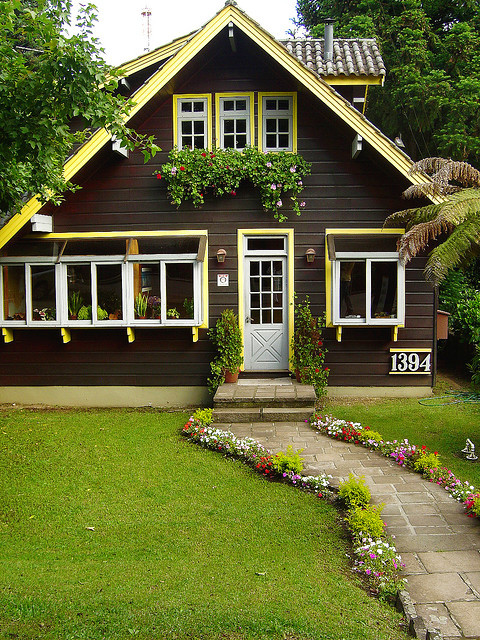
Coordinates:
[182,168]
[204,155]
[435,453]
[212,155]
[327,369]
[320,343]
[159,176]
[233,193]
[317,370]
[201,195]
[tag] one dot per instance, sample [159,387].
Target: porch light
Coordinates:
[221,255]
[310,255]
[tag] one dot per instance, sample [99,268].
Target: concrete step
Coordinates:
[262,414]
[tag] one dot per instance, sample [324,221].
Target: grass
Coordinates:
[113,526]
[440,428]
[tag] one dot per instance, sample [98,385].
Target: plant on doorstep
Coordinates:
[227,338]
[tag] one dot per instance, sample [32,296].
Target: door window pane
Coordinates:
[14,292]
[179,287]
[79,292]
[352,289]
[43,292]
[109,291]
[384,289]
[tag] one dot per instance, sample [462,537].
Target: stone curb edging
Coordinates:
[416,624]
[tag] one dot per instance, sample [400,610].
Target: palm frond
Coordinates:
[419,237]
[416,215]
[463,242]
[441,173]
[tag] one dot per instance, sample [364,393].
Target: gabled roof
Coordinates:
[302,74]
[351,57]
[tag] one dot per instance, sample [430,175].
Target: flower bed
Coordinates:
[405,454]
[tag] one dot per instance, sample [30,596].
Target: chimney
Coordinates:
[328,51]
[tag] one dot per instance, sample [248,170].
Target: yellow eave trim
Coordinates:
[310,81]
[354,80]
[146,60]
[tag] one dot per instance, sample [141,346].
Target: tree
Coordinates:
[432,52]
[455,220]
[49,80]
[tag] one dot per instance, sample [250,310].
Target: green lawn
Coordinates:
[186,544]
[440,428]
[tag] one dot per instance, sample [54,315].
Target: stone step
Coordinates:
[262,414]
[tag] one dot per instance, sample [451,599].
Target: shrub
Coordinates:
[354,492]
[425,462]
[366,522]
[227,338]
[205,416]
[371,438]
[289,461]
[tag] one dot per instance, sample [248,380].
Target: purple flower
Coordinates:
[279,203]
[174,171]
[303,203]
[293,169]
[273,187]
[269,164]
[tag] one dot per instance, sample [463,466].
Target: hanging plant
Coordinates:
[192,173]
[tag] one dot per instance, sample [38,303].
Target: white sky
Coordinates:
[121,31]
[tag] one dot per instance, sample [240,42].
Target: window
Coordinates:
[277,122]
[368,280]
[234,121]
[192,121]
[156,281]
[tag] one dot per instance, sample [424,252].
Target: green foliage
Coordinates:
[192,173]
[308,352]
[227,338]
[205,416]
[366,435]
[141,303]
[289,461]
[75,302]
[425,462]
[48,79]
[474,367]
[431,51]
[102,314]
[366,522]
[85,313]
[354,492]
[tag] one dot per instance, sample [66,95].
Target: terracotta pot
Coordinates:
[298,375]
[231,377]
[73,316]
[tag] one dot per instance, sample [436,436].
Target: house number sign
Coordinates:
[405,361]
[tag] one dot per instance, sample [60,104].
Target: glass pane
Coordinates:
[79,292]
[266,284]
[283,141]
[187,127]
[352,289]
[277,315]
[241,126]
[199,142]
[255,284]
[186,107]
[198,106]
[270,104]
[266,300]
[254,268]
[229,141]
[198,127]
[14,292]
[146,290]
[384,289]
[277,299]
[266,244]
[241,105]
[277,267]
[179,286]
[266,316]
[109,292]
[241,141]
[255,300]
[283,125]
[283,105]
[255,316]
[277,284]
[229,126]
[43,292]
[266,268]
[228,105]
[271,125]
[186,141]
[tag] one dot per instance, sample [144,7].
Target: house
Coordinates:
[71,273]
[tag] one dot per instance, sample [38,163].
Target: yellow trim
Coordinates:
[328,263]
[66,335]
[194,334]
[395,334]
[232,94]
[120,234]
[289,94]
[338,333]
[278,52]
[7,335]
[365,100]
[153,57]
[356,80]
[192,96]
[410,350]
[130,334]
[241,233]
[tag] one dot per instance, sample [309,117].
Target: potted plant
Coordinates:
[308,352]
[141,303]
[75,302]
[227,338]
[155,306]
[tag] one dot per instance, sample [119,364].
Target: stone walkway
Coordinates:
[438,543]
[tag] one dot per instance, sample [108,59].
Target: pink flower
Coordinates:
[273,187]
[279,203]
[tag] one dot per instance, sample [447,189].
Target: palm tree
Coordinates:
[454,219]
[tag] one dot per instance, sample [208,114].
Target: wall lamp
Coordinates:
[221,255]
[310,255]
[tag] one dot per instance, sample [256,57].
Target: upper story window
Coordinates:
[277,120]
[234,120]
[368,280]
[192,121]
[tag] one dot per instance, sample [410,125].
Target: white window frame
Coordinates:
[222,116]
[367,258]
[128,310]
[204,116]
[265,114]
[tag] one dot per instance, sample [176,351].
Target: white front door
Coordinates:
[266,312]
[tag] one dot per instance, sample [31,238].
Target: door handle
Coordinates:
[247,319]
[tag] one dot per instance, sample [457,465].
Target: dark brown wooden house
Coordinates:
[71,334]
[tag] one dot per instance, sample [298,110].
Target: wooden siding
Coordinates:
[123,194]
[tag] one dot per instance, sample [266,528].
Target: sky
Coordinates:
[121,32]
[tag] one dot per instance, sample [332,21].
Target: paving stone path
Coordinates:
[438,543]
